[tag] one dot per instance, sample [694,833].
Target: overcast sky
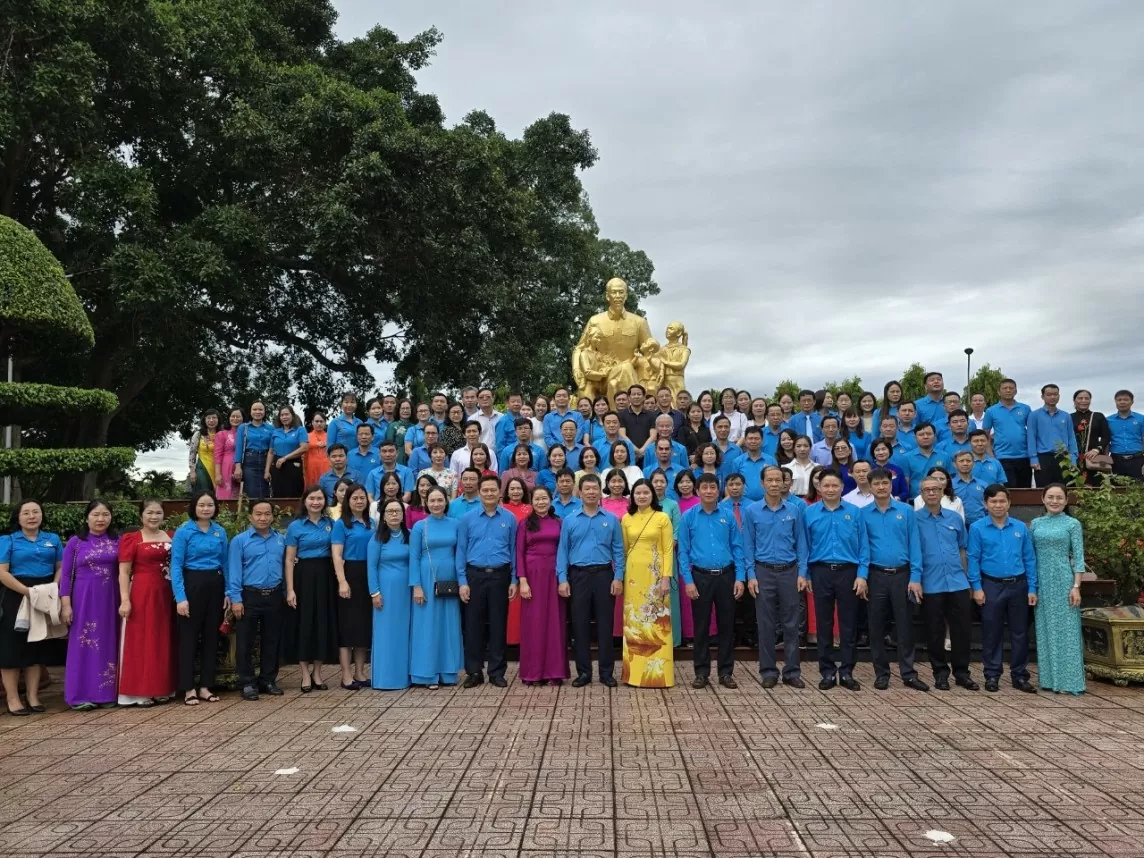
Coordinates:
[830,189]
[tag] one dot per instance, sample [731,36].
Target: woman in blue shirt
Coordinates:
[198,570]
[311,589]
[349,544]
[389,591]
[28,557]
[855,432]
[881,452]
[438,655]
[288,444]
[251,448]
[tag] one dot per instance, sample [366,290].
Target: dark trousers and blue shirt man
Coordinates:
[254,584]
[590,570]
[486,575]
[775,549]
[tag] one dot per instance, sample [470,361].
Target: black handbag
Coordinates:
[440,588]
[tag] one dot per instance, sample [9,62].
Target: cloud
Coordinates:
[830,189]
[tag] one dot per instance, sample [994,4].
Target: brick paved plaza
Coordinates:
[547,771]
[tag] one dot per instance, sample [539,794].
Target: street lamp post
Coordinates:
[968,370]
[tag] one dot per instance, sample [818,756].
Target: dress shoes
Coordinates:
[728,681]
[992,685]
[498,681]
[769,681]
[581,680]
[968,684]
[271,688]
[609,681]
[881,683]
[916,684]
[700,682]
[850,683]
[249,692]
[795,682]
[473,680]
[826,683]
[942,684]
[1025,685]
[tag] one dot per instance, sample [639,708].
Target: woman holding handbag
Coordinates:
[388,570]
[437,653]
[1092,437]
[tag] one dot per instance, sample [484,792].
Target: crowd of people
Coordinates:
[428,537]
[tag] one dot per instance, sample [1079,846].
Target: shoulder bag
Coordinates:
[440,588]
[1094,460]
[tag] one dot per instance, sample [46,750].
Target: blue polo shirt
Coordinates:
[343,430]
[31,558]
[775,535]
[989,471]
[253,439]
[311,539]
[709,540]
[916,465]
[552,422]
[930,411]
[563,510]
[836,536]
[359,465]
[329,481]
[1001,552]
[771,440]
[590,540]
[285,441]
[1127,433]
[460,506]
[942,539]
[1050,432]
[971,492]
[671,474]
[486,540]
[604,448]
[255,561]
[353,537]
[893,537]
[192,548]
[373,480]
[1010,427]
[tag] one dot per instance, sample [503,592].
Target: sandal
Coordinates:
[192,700]
[434,687]
[210,698]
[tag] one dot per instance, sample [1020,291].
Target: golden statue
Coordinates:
[649,366]
[604,359]
[675,356]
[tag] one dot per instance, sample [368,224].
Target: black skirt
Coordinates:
[355,614]
[15,651]
[312,627]
[287,481]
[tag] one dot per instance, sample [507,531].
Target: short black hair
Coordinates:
[991,491]
[1127,393]
[977,432]
[588,479]
[931,374]
[1050,386]
[333,448]
[706,479]
[880,474]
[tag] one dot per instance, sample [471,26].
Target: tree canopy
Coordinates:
[244,202]
[986,380]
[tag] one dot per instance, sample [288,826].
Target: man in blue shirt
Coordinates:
[388,454]
[363,458]
[806,421]
[1126,431]
[560,412]
[563,502]
[338,469]
[893,579]
[907,412]
[986,468]
[931,407]
[1008,421]
[1050,434]
[969,489]
[773,429]
[664,460]
[1002,571]
[958,438]
[750,464]
[254,571]
[822,453]
[917,462]
[590,572]
[420,459]
[521,435]
[838,556]
[774,549]
[486,573]
[944,588]
[612,436]
[467,498]
[569,430]
[506,427]
[714,575]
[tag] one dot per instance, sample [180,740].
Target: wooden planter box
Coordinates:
[1114,643]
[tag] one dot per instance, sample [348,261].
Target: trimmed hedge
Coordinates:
[65,519]
[32,462]
[25,402]
[35,297]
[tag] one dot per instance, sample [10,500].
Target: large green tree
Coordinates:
[986,380]
[246,203]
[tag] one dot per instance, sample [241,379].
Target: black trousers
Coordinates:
[262,618]
[889,596]
[1018,473]
[834,588]
[1129,465]
[746,620]
[718,592]
[1006,603]
[488,604]
[198,633]
[592,599]
[779,601]
[1050,471]
[955,610]
[287,481]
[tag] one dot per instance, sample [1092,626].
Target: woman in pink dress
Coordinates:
[685,490]
[516,499]
[543,648]
[615,501]
[417,510]
[225,487]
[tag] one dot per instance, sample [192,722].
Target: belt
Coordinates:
[469,567]
[890,570]
[777,567]
[1003,580]
[728,568]
[1123,456]
[834,567]
[263,591]
[258,454]
[216,570]
[598,567]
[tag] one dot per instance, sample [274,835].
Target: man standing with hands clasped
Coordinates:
[590,569]
[774,544]
[711,565]
[1003,575]
[486,575]
[893,579]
